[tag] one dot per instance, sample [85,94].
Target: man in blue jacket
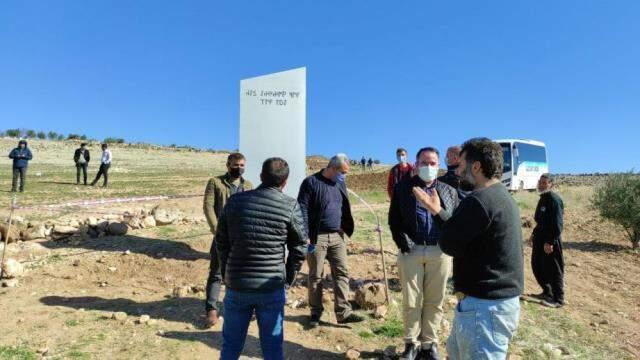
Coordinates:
[21,156]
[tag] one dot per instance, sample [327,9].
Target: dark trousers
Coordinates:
[81,168]
[548,269]
[20,173]
[104,171]
[214,282]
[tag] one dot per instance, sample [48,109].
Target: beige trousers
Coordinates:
[423,274]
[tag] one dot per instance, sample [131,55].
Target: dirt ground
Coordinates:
[63,306]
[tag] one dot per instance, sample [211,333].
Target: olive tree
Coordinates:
[618,200]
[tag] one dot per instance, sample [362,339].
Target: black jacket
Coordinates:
[313,199]
[402,212]
[76,155]
[549,218]
[484,237]
[450,178]
[253,231]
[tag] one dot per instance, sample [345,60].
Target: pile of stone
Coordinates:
[94,227]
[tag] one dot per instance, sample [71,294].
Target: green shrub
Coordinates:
[618,200]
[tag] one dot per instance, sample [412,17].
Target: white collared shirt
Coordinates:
[106,156]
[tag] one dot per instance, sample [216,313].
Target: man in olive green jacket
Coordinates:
[218,191]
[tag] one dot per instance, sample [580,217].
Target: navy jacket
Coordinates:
[549,218]
[313,199]
[21,157]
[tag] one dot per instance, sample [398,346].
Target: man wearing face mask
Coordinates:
[423,267]
[327,215]
[399,171]
[453,161]
[484,237]
[216,195]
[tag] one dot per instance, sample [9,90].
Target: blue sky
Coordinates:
[380,74]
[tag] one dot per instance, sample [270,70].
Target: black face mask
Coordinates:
[236,172]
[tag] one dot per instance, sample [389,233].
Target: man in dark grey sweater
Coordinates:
[484,237]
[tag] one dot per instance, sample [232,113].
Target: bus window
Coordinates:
[506,152]
[531,154]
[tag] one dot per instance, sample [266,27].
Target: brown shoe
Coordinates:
[212,318]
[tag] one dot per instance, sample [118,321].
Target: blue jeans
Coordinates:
[239,307]
[482,328]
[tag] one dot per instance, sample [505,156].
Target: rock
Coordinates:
[91,221]
[547,348]
[181,291]
[556,354]
[4,234]
[564,350]
[10,283]
[42,351]
[102,226]
[120,316]
[117,229]
[18,219]
[112,269]
[33,233]
[370,296]
[134,223]
[165,216]
[380,312]
[298,304]
[389,352]
[352,354]
[160,333]
[64,230]
[74,223]
[198,289]
[12,269]
[148,222]
[127,252]
[152,322]
[76,262]
[144,319]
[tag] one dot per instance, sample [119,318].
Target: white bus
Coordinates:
[524,162]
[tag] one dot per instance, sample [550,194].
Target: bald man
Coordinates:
[453,161]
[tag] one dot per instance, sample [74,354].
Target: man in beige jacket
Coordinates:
[218,191]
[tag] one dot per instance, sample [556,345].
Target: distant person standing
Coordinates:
[21,157]
[105,164]
[81,157]
[370,164]
[547,261]
[399,171]
[453,161]
[484,237]
[261,241]
[363,163]
[326,211]
[219,190]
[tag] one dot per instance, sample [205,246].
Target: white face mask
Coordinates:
[428,173]
[402,159]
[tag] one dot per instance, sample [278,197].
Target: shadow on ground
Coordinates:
[252,346]
[155,248]
[187,310]
[593,246]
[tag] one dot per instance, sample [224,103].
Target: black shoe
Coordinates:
[410,352]
[314,320]
[353,318]
[552,304]
[430,353]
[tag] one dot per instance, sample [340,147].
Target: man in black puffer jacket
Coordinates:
[253,231]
